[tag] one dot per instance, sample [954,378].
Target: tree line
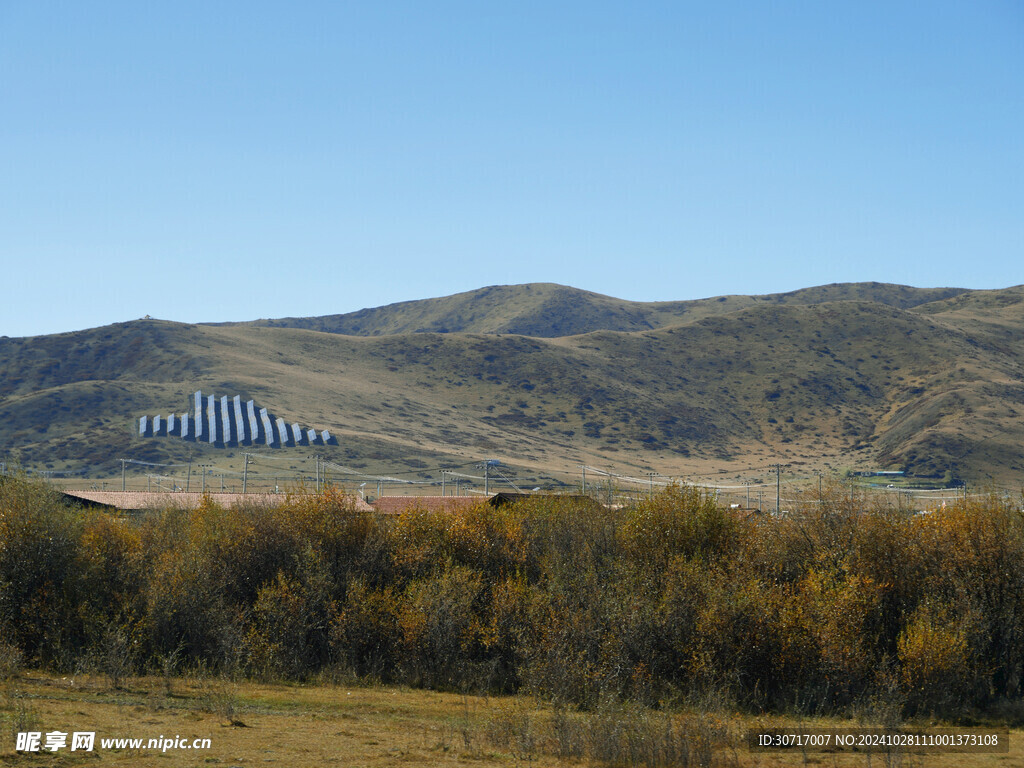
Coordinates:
[835,607]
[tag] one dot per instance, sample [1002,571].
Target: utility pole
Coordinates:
[317,457]
[442,481]
[778,484]
[123,488]
[584,481]
[486,479]
[245,472]
[650,480]
[188,480]
[748,496]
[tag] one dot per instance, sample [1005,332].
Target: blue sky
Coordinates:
[230,161]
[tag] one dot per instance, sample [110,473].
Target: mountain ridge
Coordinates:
[550,310]
[934,387]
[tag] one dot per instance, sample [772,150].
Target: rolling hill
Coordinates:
[547,310]
[844,376]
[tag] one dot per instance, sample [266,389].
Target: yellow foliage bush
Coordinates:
[935,659]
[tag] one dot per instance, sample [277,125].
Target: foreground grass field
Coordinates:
[351,725]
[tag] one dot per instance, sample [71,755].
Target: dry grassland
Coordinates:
[348,725]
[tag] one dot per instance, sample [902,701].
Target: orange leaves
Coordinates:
[568,599]
[681,520]
[441,628]
[489,540]
[842,616]
[935,657]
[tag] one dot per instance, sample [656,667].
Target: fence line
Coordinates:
[607,484]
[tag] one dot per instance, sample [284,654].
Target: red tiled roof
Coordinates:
[132,500]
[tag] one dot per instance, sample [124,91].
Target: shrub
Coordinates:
[441,631]
[935,660]
[681,520]
[39,537]
[365,635]
[288,634]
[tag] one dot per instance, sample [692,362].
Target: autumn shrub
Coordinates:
[276,638]
[688,585]
[887,554]
[974,560]
[365,632]
[244,549]
[517,613]
[593,639]
[754,639]
[774,549]
[117,653]
[935,657]
[39,537]
[110,596]
[12,661]
[347,538]
[289,629]
[110,564]
[566,538]
[186,609]
[206,569]
[841,606]
[490,541]
[563,661]
[420,544]
[840,611]
[632,649]
[683,521]
[442,630]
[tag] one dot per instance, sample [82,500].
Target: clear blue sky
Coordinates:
[207,161]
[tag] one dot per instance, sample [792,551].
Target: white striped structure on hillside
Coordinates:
[223,421]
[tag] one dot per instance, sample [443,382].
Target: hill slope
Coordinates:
[935,388]
[547,310]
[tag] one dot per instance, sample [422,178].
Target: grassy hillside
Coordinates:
[548,310]
[910,379]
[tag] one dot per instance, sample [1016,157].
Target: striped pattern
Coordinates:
[223,421]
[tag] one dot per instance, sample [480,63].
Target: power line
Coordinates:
[462,474]
[151,463]
[627,478]
[348,471]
